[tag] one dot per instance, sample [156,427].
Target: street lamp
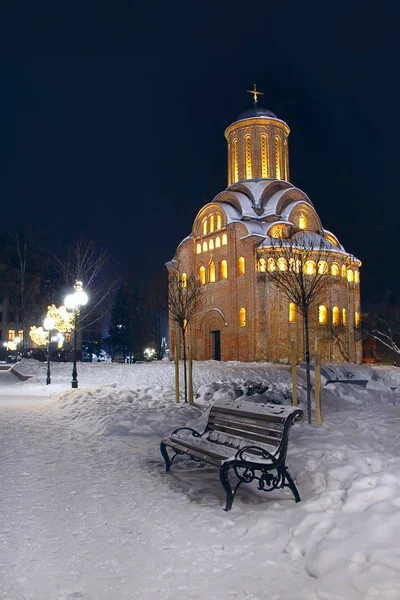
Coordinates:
[49,325]
[74,302]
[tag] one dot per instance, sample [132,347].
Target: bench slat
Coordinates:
[259,416]
[215,423]
[240,433]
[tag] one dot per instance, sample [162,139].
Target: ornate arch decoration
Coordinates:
[280,229]
[241,201]
[331,238]
[298,210]
[273,187]
[203,215]
[213,314]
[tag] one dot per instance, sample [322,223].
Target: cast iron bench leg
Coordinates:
[165,456]
[290,484]
[223,475]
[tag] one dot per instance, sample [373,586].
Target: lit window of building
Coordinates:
[278,158]
[309,267]
[344,316]
[356,277]
[322,314]
[282,264]
[302,222]
[241,267]
[264,156]
[21,334]
[198,249]
[219,221]
[202,274]
[292,312]
[211,272]
[184,280]
[211,223]
[211,245]
[357,319]
[205,247]
[224,239]
[344,271]
[235,161]
[262,265]
[350,276]
[271,264]
[11,335]
[224,269]
[335,270]
[322,267]
[242,317]
[205,227]
[335,315]
[249,173]
[218,242]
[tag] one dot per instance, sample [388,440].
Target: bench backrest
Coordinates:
[261,424]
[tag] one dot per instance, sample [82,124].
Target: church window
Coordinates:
[277,158]
[218,242]
[322,314]
[276,232]
[224,239]
[211,272]
[350,275]
[322,267]
[357,319]
[198,249]
[211,245]
[344,316]
[242,317]
[262,265]
[202,275]
[224,269]
[344,271]
[205,247]
[298,265]
[184,280]
[241,267]
[21,334]
[219,221]
[292,312]
[211,223]
[249,174]
[292,264]
[335,270]
[271,264]
[302,222]
[335,315]
[286,159]
[11,335]
[264,156]
[282,264]
[309,267]
[356,277]
[205,227]
[235,161]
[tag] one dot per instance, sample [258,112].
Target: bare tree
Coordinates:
[387,332]
[298,269]
[185,296]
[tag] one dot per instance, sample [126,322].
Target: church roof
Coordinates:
[256,111]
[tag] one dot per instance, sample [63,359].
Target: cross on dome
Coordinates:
[255,93]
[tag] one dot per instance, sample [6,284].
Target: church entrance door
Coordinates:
[216,344]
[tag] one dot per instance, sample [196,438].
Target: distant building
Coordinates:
[232,241]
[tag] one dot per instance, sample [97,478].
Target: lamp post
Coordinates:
[74,302]
[49,325]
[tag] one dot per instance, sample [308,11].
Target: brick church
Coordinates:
[232,241]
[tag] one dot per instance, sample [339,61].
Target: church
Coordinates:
[232,242]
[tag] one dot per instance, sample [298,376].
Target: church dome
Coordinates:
[256,111]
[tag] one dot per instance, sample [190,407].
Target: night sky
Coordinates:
[113,117]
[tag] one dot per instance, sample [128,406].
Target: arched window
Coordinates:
[241,265]
[211,245]
[262,265]
[344,271]
[282,264]
[224,269]
[264,156]
[271,264]
[202,274]
[302,222]
[350,275]
[335,315]
[242,317]
[292,312]
[205,227]
[219,221]
[322,314]
[217,242]
[277,158]
[356,277]
[249,174]
[235,160]
[224,239]
[205,246]
[211,272]
[184,280]
[335,270]
[292,264]
[309,267]
[211,223]
[198,249]
[344,316]
[357,319]
[322,267]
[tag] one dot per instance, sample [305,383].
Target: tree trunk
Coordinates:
[184,363]
[308,366]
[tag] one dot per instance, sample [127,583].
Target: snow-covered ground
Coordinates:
[88,512]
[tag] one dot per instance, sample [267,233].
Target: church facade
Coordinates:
[233,240]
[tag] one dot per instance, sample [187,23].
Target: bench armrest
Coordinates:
[194,432]
[260,453]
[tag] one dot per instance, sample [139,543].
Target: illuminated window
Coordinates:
[335,315]
[211,223]
[271,264]
[205,227]
[235,160]
[350,275]
[344,271]
[322,267]
[211,272]
[21,334]
[202,274]
[68,337]
[286,159]
[335,270]
[264,156]
[292,264]
[302,222]
[309,267]
[205,246]
[282,264]
[184,280]
[248,157]
[357,319]
[292,313]
[218,242]
[242,317]
[224,239]
[224,269]
[276,232]
[277,158]
[219,221]
[211,245]
[198,249]
[298,265]
[344,316]
[356,277]
[241,266]
[11,335]
[185,326]
[322,314]
[262,265]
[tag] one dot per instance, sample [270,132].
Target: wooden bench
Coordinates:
[245,437]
